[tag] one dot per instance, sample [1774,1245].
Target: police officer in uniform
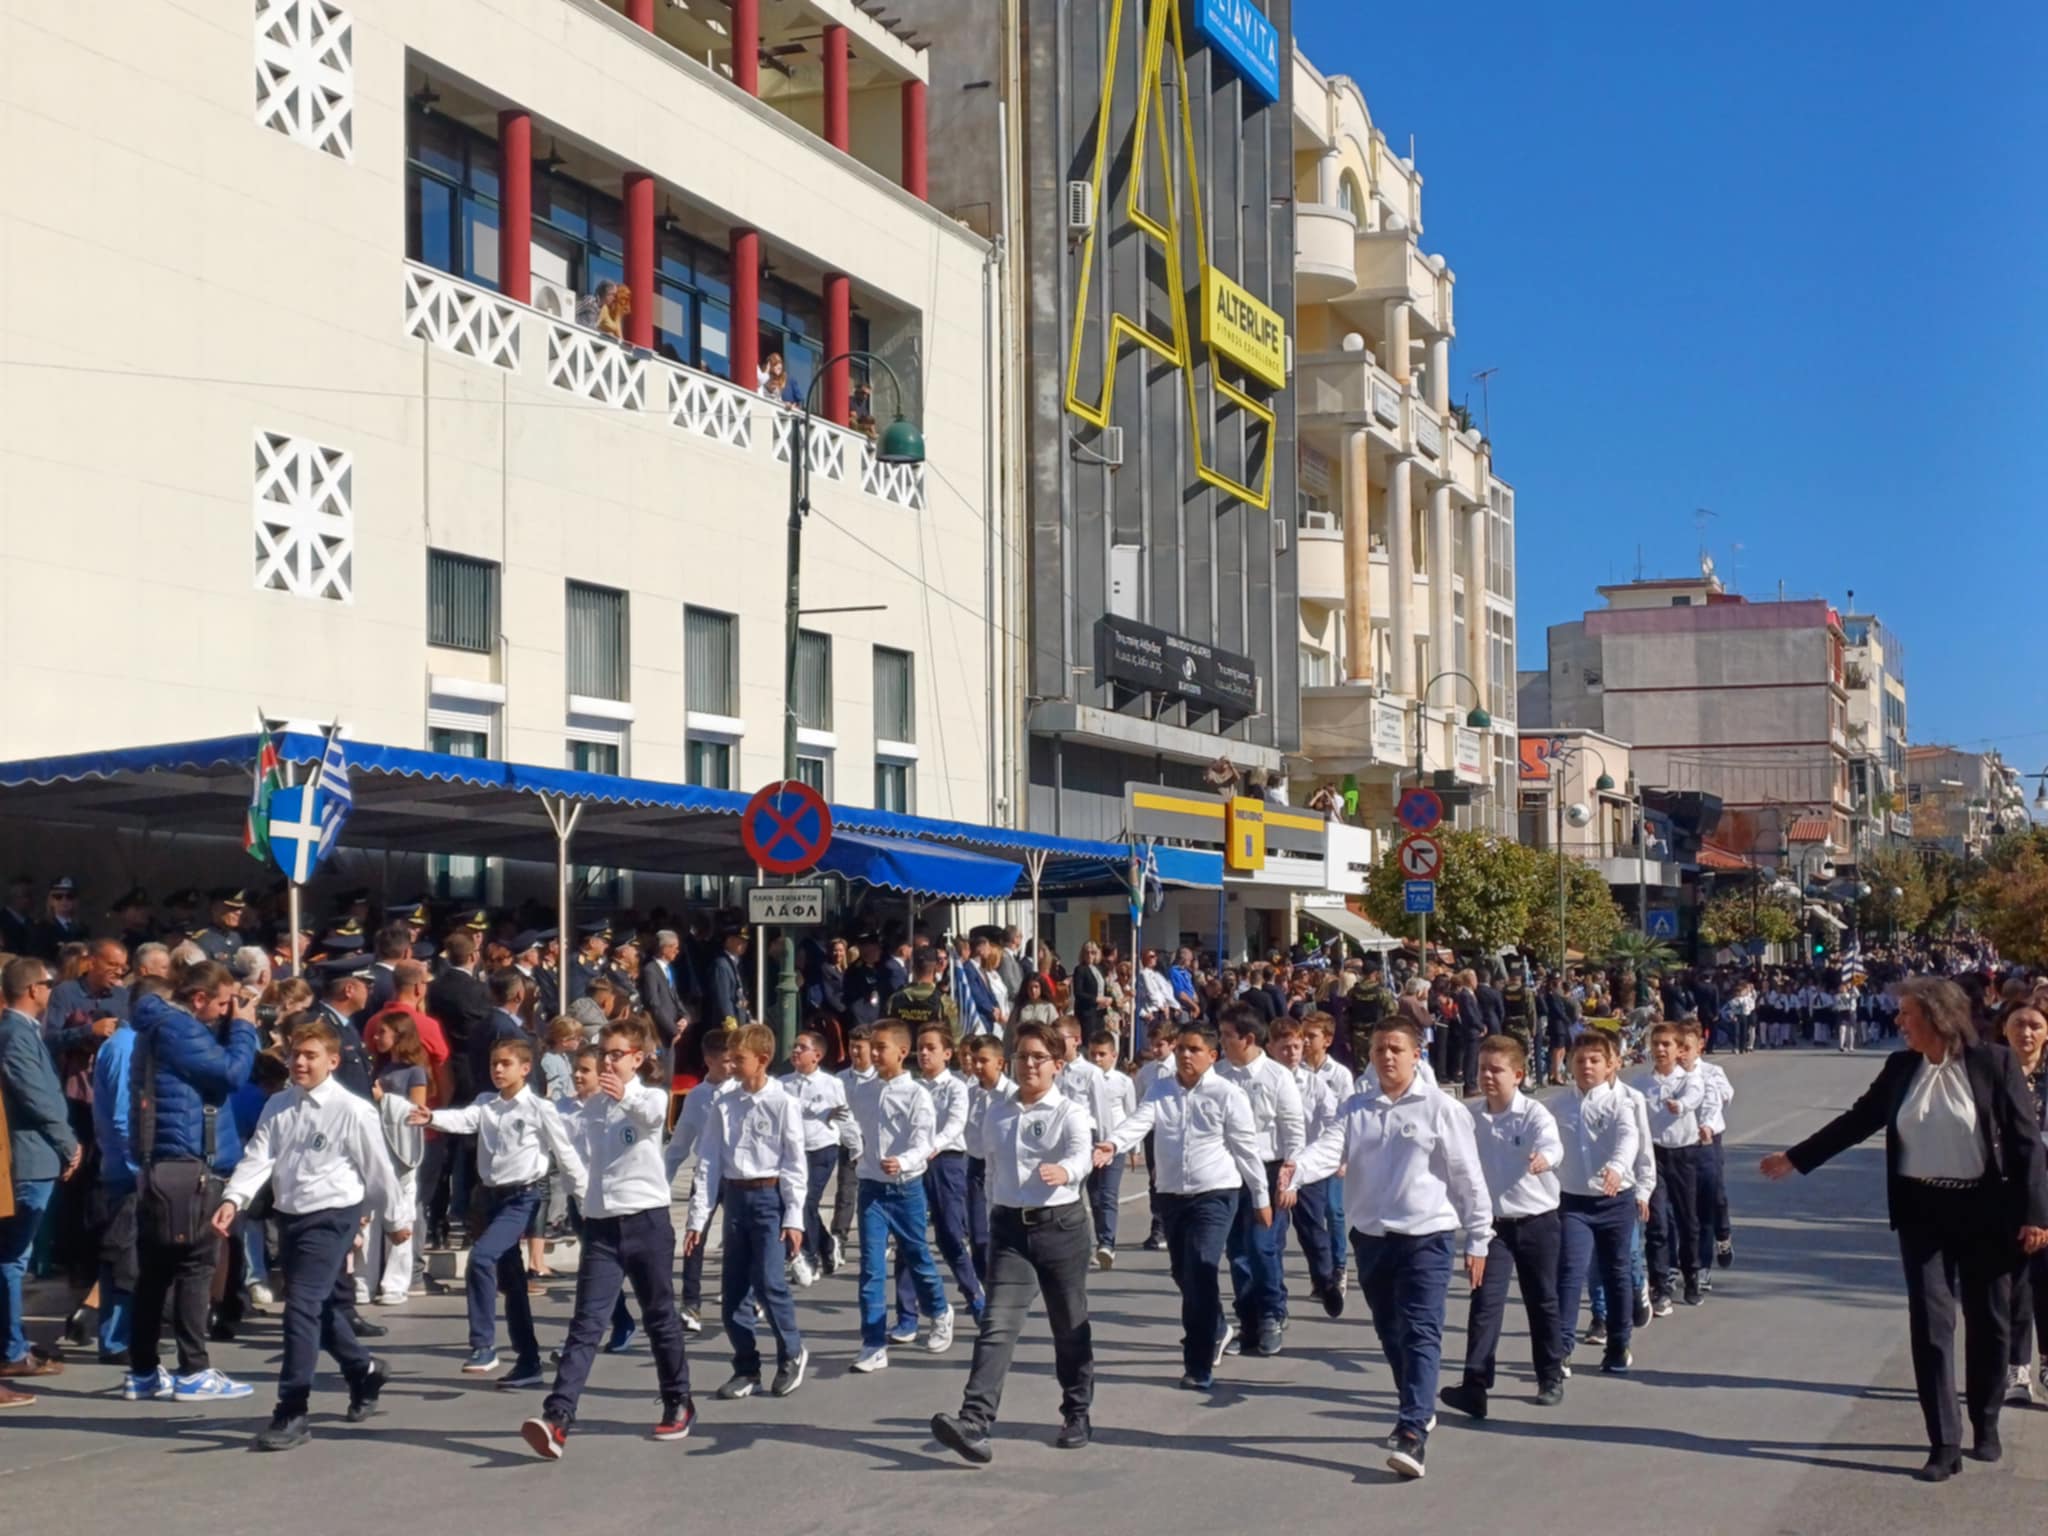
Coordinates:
[589,962]
[131,910]
[223,936]
[1368,1002]
[414,915]
[1519,1001]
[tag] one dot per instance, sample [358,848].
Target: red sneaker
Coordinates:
[547,1437]
[677,1415]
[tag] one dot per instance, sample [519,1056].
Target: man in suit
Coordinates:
[662,991]
[18,917]
[394,943]
[728,998]
[463,1005]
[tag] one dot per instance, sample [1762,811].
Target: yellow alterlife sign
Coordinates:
[1244,846]
[1243,330]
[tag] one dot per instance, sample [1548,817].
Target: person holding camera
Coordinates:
[191,1054]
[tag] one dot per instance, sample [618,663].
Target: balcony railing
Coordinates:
[475,323]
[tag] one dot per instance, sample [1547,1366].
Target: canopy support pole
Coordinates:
[563,814]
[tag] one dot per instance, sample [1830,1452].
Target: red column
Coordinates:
[639,192]
[835,87]
[744,344]
[913,139]
[746,45]
[641,13]
[515,205]
[838,337]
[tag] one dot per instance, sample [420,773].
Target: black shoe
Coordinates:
[285,1432]
[1073,1433]
[1642,1310]
[363,1394]
[1333,1299]
[1692,1291]
[114,1357]
[1551,1395]
[364,1328]
[1270,1337]
[1405,1457]
[1189,1383]
[219,1329]
[1468,1397]
[739,1385]
[1987,1449]
[1155,1242]
[967,1441]
[1724,1252]
[1597,1334]
[81,1325]
[1941,1466]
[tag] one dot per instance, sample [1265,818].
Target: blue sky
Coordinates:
[1788,262]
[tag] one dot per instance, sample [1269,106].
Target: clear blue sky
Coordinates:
[1786,261]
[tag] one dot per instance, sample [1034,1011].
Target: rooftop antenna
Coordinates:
[1485,402]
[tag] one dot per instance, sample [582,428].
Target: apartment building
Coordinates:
[307,397]
[1406,535]
[1960,801]
[1874,673]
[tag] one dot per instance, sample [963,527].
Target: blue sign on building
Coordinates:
[1239,31]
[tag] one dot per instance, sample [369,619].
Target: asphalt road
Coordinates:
[1783,1405]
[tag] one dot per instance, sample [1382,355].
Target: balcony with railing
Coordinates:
[1319,563]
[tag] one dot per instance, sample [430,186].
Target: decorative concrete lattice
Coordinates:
[305,518]
[306,73]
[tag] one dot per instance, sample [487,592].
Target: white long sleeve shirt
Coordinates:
[1016,1139]
[1087,1085]
[1506,1143]
[1277,1119]
[690,1123]
[1646,1146]
[820,1097]
[1597,1131]
[1368,1080]
[620,1140]
[1342,1084]
[1202,1137]
[1318,1102]
[1412,1167]
[1121,1094]
[514,1139]
[756,1135]
[950,1094]
[1673,1128]
[896,1120]
[978,1101]
[323,1149]
[1720,1093]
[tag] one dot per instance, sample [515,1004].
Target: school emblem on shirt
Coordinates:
[1036,1128]
[627,1135]
[319,1141]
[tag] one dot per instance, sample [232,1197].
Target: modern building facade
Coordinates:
[1874,672]
[354,442]
[1960,800]
[1406,622]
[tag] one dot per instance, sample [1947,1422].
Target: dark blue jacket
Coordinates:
[38,1121]
[194,1069]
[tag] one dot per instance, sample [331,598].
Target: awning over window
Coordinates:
[1712,856]
[1353,927]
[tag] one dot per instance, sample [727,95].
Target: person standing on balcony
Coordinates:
[615,302]
[776,383]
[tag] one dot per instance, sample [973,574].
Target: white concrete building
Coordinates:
[1406,534]
[1874,673]
[290,419]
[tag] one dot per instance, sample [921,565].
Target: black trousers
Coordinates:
[1197,1227]
[1045,1250]
[174,1280]
[1955,1252]
[1462,1064]
[319,1301]
[2030,1308]
[1674,1217]
[638,1248]
[1533,1243]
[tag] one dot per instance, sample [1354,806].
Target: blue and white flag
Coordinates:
[336,799]
[297,819]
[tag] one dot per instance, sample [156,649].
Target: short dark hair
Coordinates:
[22,973]
[517,1045]
[1508,1046]
[394,942]
[203,978]
[1102,1037]
[1397,1024]
[895,1028]
[507,987]
[1204,1029]
[1247,1021]
[1029,1030]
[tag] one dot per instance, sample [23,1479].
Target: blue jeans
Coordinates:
[1105,1191]
[1638,1276]
[17,1239]
[1197,1228]
[1340,1231]
[754,1259]
[498,1261]
[1256,1284]
[945,1197]
[898,1211]
[1599,1231]
[1405,1279]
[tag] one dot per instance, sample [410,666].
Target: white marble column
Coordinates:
[1401,574]
[1442,559]
[1357,474]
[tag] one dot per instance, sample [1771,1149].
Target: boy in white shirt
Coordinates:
[1105,1185]
[1159,1044]
[988,1082]
[860,1068]
[685,1143]
[1256,1280]
[517,1132]
[1598,1130]
[897,1134]
[626,1237]
[945,1180]
[1713,1177]
[1319,1032]
[1309,1214]
[1519,1151]
[1672,1241]
[822,1098]
[323,1149]
[1416,1198]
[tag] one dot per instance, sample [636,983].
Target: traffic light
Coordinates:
[1820,947]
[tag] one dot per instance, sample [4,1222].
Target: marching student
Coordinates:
[1038,1148]
[1105,1185]
[945,1180]
[860,1068]
[1415,1186]
[1519,1151]
[897,1133]
[687,1141]
[516,1131]
[1080,1079]
[1159,1044]
[1309,1215]
[821,1098]
[1675,1096]
[752,1153]
[626,1237]
[1319,1033]
[1716,1234]
[586,1066]
[989,1082]
[1645,1172]
[321,1150]
[1208,1154]
[1256,1281]
[1596,1126]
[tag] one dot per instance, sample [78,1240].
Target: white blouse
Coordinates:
[1938,1124]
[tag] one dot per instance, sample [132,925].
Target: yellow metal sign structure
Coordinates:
[1244,845]
[1243,329]
[1165,233]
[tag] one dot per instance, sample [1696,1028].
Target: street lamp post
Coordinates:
[900,443]
[1476,719]
[1601,785]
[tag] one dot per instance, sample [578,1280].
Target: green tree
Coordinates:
[1885,871]
[1638,953]
[1483,891]
[1948,892]
[1592,922]
[1736,917]
[2010,897]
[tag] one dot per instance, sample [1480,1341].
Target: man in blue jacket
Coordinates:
[42,1146]
[191,1054]
[112,1119]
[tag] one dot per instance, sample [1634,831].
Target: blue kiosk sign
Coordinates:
[1239,31]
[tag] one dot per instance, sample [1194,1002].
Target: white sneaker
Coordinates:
[801,1272]
[941,1338]
[2019,1385]
[261,1295]
[2037,1386]
[1105,1257]
[876,1359]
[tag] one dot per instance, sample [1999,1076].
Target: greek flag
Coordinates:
[337,798]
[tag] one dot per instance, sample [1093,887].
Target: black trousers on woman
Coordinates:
[1956,1253]
[2030,1308]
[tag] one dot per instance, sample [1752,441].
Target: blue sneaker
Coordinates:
[904,1332]
[622,1338]
[524,1373]
[209,1386]
[156,1386]
[481,1362]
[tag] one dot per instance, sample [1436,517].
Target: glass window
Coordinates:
[816,772]
[594,756]
[708,763]
[480,241]
[893,787]
[1347,194]
[1315,667]
[561,202]
[462,602]
[711,662]
[895,696]
[814,681]
[430,222]
[437,144]
[597,641]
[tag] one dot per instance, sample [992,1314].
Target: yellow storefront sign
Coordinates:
[1244,844]
[1241,328]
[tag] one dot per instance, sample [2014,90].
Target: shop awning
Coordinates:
[1343,920]
[1713,856]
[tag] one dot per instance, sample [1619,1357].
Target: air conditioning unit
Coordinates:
[1111,448]
[1080,206]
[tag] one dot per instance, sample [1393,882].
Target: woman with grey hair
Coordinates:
[1968,1192]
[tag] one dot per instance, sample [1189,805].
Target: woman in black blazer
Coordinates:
[1968,1193]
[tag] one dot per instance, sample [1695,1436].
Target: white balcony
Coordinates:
[1355,727]
[1320,564]
[1323,265]
[1342,391]
[475,323]
[1389,265]
[1429,434]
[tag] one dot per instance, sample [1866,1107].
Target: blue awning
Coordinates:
[919,868]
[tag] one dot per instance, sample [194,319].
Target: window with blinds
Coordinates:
[597,642]
[895,696]
[813,681]
[711,662]
[462,602]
